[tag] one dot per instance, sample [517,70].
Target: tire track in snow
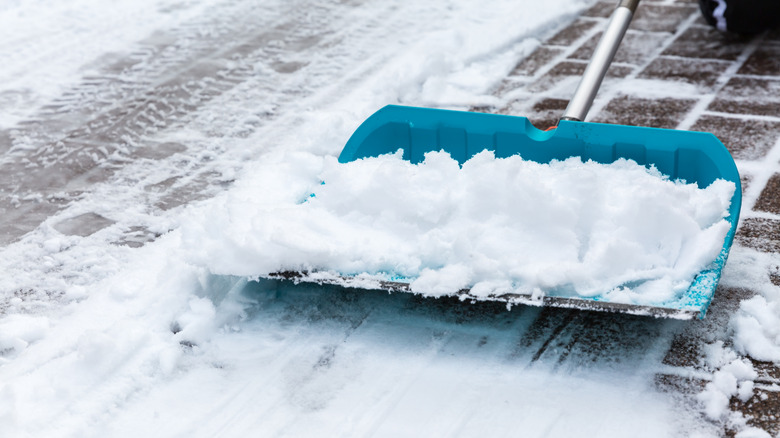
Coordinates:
[96,129]
[66,154]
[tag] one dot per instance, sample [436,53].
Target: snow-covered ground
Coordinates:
[120,125]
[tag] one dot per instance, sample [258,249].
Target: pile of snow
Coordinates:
[756,324]
[734,378]
[757,328]
[493,225]
[753,331]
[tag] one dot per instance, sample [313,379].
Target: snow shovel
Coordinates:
[695,157]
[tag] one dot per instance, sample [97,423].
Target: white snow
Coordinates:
[757,328]
[495,225]
[756,325]
[99,339]
[18,331]
[733,379]
[752,432]
[753,332]
[47,46]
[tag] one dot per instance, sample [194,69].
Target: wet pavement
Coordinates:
[674,71]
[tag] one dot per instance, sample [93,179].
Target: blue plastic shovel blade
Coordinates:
[695,157]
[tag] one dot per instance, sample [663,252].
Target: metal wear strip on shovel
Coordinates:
[695,157]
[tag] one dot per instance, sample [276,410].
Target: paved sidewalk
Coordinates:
[674,71]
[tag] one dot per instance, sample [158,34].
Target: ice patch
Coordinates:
[493,225]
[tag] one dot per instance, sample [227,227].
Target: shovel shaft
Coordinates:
[599,63]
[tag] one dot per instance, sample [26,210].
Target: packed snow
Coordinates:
[98,338]
[495,226]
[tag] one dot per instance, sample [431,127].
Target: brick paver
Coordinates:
[701,80]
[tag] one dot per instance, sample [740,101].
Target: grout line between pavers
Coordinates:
[757,214]
[759,77]
[750,167]
[768,386]
[686,372]
[744,117]
[588,18]
[686,58]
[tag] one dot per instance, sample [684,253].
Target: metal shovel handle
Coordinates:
[599,63]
